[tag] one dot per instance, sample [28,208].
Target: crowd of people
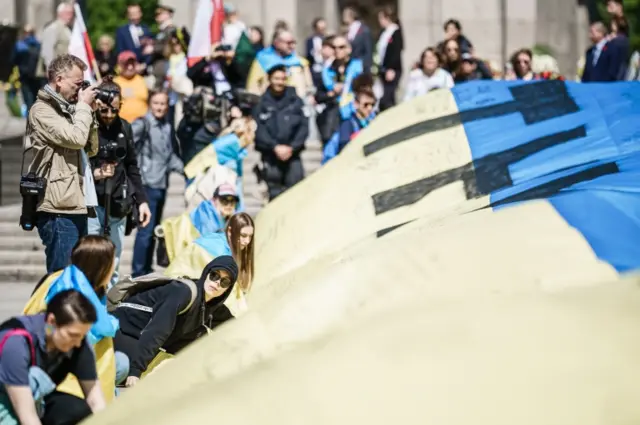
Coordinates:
[102,153]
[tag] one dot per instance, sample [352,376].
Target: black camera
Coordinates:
[245,101]
[224,48]
[105,96]
[113,151]
[32,190]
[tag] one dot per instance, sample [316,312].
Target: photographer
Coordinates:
[60,126]
[116,172]
[234,65]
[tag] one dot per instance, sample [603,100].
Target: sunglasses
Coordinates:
[106,109]
[227,200]
[225,282]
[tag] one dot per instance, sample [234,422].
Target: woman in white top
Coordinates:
[429,76]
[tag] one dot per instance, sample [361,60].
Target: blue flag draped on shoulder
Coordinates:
[72,278]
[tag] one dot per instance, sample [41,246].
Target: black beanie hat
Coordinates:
[223,262]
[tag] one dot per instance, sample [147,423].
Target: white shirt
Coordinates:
[316,52]
[136,33]
[420,84]
[232,33]
[597,51]
[353,30]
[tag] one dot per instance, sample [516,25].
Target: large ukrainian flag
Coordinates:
[471,248]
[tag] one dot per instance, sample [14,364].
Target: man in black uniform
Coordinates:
[283,128]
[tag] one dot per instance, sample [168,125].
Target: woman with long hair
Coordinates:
[236,240]
[92,265]
[239,233]
[451,57]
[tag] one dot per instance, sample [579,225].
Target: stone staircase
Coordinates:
[22,260]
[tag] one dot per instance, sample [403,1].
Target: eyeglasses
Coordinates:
[225,282]
[106,109]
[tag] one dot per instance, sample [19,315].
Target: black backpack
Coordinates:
[29,67]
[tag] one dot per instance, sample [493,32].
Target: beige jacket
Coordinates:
[56,138]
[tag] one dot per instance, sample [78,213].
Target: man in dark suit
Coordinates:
[359,35]
[601,63]
[135,36]
[314,46]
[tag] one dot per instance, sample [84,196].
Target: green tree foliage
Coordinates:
[632,13]
[104,16]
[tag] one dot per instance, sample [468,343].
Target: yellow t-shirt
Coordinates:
[134,97]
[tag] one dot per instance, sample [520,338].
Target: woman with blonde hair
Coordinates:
[92,265]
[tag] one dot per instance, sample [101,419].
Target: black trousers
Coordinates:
[280,175]
[388,99]
[64,409]
[328,122]
[126,344]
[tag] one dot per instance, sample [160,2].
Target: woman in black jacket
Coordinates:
[389,50]
[155,319]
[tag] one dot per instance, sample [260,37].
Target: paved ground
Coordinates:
[13,298]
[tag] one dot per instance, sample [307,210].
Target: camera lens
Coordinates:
[105,96]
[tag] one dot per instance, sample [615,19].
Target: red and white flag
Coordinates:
[207,29]
[80,45]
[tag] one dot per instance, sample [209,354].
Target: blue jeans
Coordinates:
[122,367]
[59,234]
[41,385]
[117,227]
[145,242]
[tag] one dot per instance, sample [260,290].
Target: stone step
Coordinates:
[22,258]
[23,273]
